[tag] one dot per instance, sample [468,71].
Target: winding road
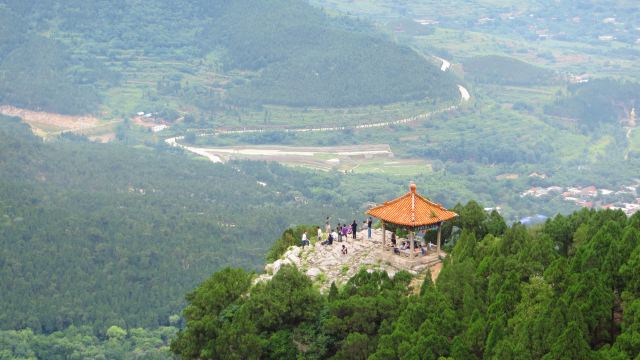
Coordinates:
[465,96]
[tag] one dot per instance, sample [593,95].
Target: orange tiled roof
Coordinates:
[412,210]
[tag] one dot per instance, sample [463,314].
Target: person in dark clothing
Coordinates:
[369,226]
[354,227]
[393,238]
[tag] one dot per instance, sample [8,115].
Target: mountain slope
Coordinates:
[107,235]
[275,52]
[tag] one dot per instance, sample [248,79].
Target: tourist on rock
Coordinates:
[369,227]
[319,234]
[344,250]
[305,241]
[393,238]
[354,228]
[345,231]
[333,236]
[327,227]
[339,231]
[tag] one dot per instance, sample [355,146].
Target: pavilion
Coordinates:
[412,212]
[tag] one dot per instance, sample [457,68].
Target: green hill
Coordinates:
[274,52]
[495,69]
[105,235]
[39,73]
[597,102]
[568,289]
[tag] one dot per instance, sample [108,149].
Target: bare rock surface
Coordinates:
[325,264]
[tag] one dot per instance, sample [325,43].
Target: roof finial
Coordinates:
[412,186]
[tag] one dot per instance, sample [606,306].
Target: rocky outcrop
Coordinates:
[325,264]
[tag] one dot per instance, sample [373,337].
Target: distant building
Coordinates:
[158,128]
[586,204]
[538,175]
[589,191]
[555,189]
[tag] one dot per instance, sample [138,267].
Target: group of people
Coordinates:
[340,233]
[405,248]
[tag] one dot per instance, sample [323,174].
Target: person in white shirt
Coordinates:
[319,234]
[334,235]
[305,241]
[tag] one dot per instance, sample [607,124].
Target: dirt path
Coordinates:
[46,123]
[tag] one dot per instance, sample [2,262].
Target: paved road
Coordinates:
[464,97]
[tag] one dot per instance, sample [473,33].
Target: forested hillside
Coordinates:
[568,289]
[107,235]
[597,102]
[39,73]
[495,69]
[233,53]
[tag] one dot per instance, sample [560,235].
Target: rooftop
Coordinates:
[412,210]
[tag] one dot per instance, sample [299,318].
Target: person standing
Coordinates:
[305,241]
[339,231]
[319,234]
[369,226]
[327,227]
[354,228]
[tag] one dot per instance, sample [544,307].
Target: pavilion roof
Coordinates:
[412,210]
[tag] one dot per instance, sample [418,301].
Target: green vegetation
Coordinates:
[597,102]
[39,73]
[290,237]
[566,289]
[495,69]
[81,343]
[205,57]
[287,317]
[104,235]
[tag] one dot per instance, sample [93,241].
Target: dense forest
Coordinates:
[64,83]
[568,289]
[82,343]
[495,69]
[105,235]
[274,52]
[597,102]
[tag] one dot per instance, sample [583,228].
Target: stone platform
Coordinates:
[326,263]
